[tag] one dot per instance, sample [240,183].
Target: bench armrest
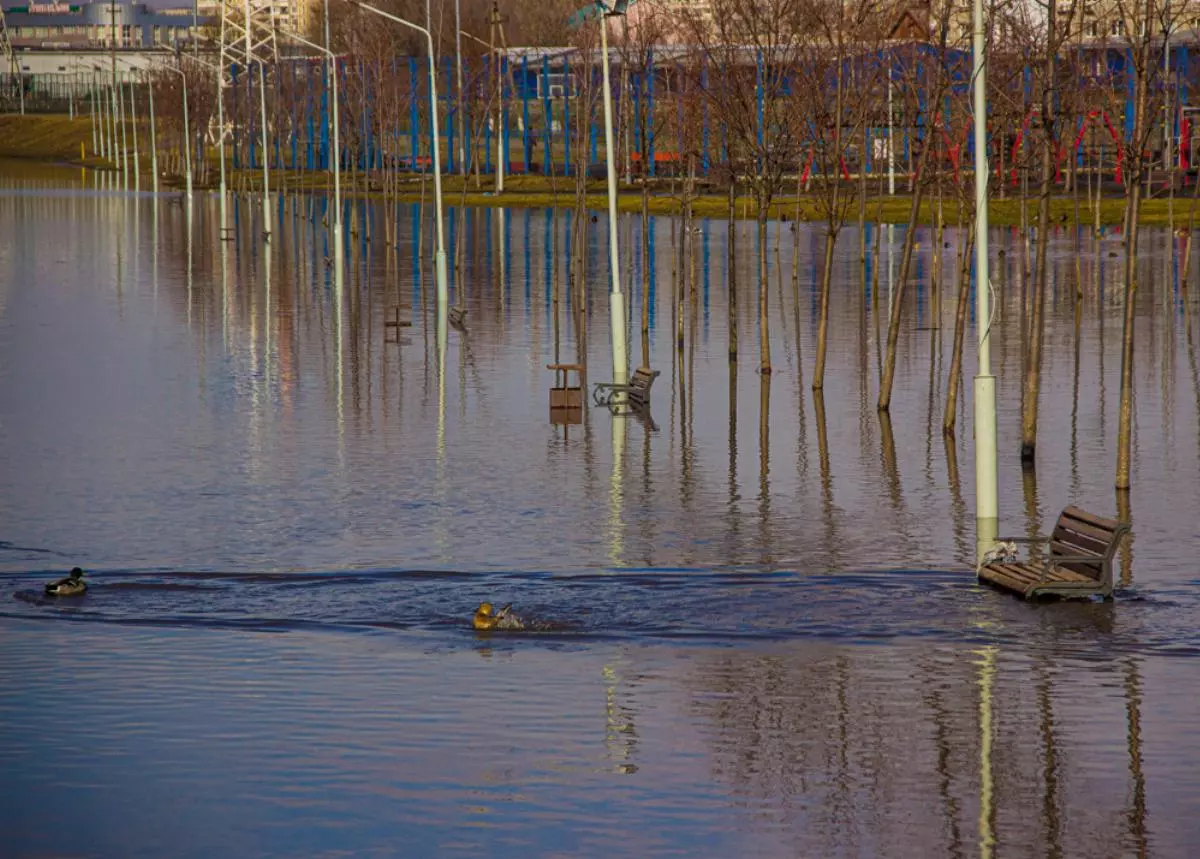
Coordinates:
[1024,539]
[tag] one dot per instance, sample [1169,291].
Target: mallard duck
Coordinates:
[68,587]
[487,619]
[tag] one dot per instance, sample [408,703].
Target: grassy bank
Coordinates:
[44,138]
[539,192]
[58,139]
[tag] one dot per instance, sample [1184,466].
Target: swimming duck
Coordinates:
[487,619]
[68,587]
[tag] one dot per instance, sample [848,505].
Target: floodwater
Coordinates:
[754,628]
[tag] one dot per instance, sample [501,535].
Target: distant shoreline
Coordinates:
[57,139]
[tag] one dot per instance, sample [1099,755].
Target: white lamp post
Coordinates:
[616,299]
[186,130]
[216,67]
[337,150]
[439,259]
[500,152]
[987,504]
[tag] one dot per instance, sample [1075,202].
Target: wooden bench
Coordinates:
[1079,562]
[638,389]
[566,400]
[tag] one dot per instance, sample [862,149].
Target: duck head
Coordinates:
[76,573]
[485,617]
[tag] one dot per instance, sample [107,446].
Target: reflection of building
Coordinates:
[121,23]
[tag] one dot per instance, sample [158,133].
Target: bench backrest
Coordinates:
[1078,532]
[639,384]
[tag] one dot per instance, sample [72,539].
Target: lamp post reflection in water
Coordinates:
[441,537]
[620,734]
[987,676]
[616,496]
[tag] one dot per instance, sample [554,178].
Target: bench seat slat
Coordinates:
[1060,574]
[1034,573]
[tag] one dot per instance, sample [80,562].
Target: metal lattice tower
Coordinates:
[248,32]
[248,40]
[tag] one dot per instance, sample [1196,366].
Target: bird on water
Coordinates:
[486,618]
[71,586]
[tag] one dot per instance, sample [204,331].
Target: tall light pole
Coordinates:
[153,131]
[891,136]
[76,69]
[987,503]
[262,93]
[195,57]
[616,299]
[439,258]
[133,132]
[462,120]
[124,134]
[501,154]
[153,135]
[186,130]
[1168,101]
[98,146]
[337,150]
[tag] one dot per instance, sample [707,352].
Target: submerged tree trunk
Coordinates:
[960,327]
[1125,413]
[763,325]
[731,245]
[818,381]
[1133,201]
[1033,363]
[893,336]
[645,275]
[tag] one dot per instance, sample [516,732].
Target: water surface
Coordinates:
[754,627]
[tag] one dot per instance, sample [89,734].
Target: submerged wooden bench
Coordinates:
[638,389]
[1079,562]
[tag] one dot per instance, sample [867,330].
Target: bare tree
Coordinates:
[756,44]
[841,54]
